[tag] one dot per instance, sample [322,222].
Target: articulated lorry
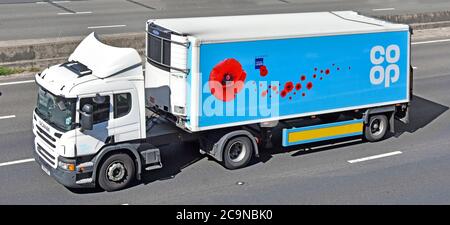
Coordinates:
[224,83]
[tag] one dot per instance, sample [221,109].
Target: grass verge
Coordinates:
[8,70]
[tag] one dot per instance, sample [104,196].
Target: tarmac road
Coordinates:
[30,19]
[414,171]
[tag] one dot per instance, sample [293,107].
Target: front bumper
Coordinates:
[66,178]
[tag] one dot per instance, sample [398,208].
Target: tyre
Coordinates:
[237,152]
[376,128]
[116,172]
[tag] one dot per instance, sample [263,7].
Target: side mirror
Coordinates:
[87,118]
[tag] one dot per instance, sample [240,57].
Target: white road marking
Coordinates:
[76,13]
[384,9]
[375,157]
[17,82]
[429,42]
[57,2]
[7,117]
[125,204]
[16,162]
[108,26]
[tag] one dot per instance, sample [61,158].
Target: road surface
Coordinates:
[410,167]
[29,19]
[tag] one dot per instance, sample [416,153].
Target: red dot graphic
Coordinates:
[303,94]
[303,78]
[263,71]
[298,86]
[327,71]
[314,76]
[274,88]
[283,93]
[309,85]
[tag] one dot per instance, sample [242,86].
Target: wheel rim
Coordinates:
[237,151]
[116,172]
[376,127]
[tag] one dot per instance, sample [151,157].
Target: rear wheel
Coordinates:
[116,172]
[238,152]
[376,128]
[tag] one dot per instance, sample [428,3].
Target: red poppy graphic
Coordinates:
[263,71]
[289,86]
[227,79]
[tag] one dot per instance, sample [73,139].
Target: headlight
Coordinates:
[66,166]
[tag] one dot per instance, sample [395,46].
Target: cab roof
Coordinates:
[275,26]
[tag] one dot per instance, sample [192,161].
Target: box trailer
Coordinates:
[226,83]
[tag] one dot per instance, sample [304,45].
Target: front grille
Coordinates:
[45,133]
[46,140]
[46,156]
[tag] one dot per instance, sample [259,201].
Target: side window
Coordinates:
[122,104]
[101,111]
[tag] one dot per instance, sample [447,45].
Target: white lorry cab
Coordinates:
[227,83]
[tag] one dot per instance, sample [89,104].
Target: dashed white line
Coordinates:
[429,42]
[375,157]
[384,9]
[7,117]
[17,82]
[76,13]
[16,162]
[57,2]
[125,204]
[108,26]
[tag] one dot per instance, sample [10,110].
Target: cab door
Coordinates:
[90,141]
[126,116]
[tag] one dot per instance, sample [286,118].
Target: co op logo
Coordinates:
[379,73]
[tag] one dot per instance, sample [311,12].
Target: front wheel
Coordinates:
[237,153]
[116,172]
[376,129]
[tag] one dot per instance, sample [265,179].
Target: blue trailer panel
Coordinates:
[303,76]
